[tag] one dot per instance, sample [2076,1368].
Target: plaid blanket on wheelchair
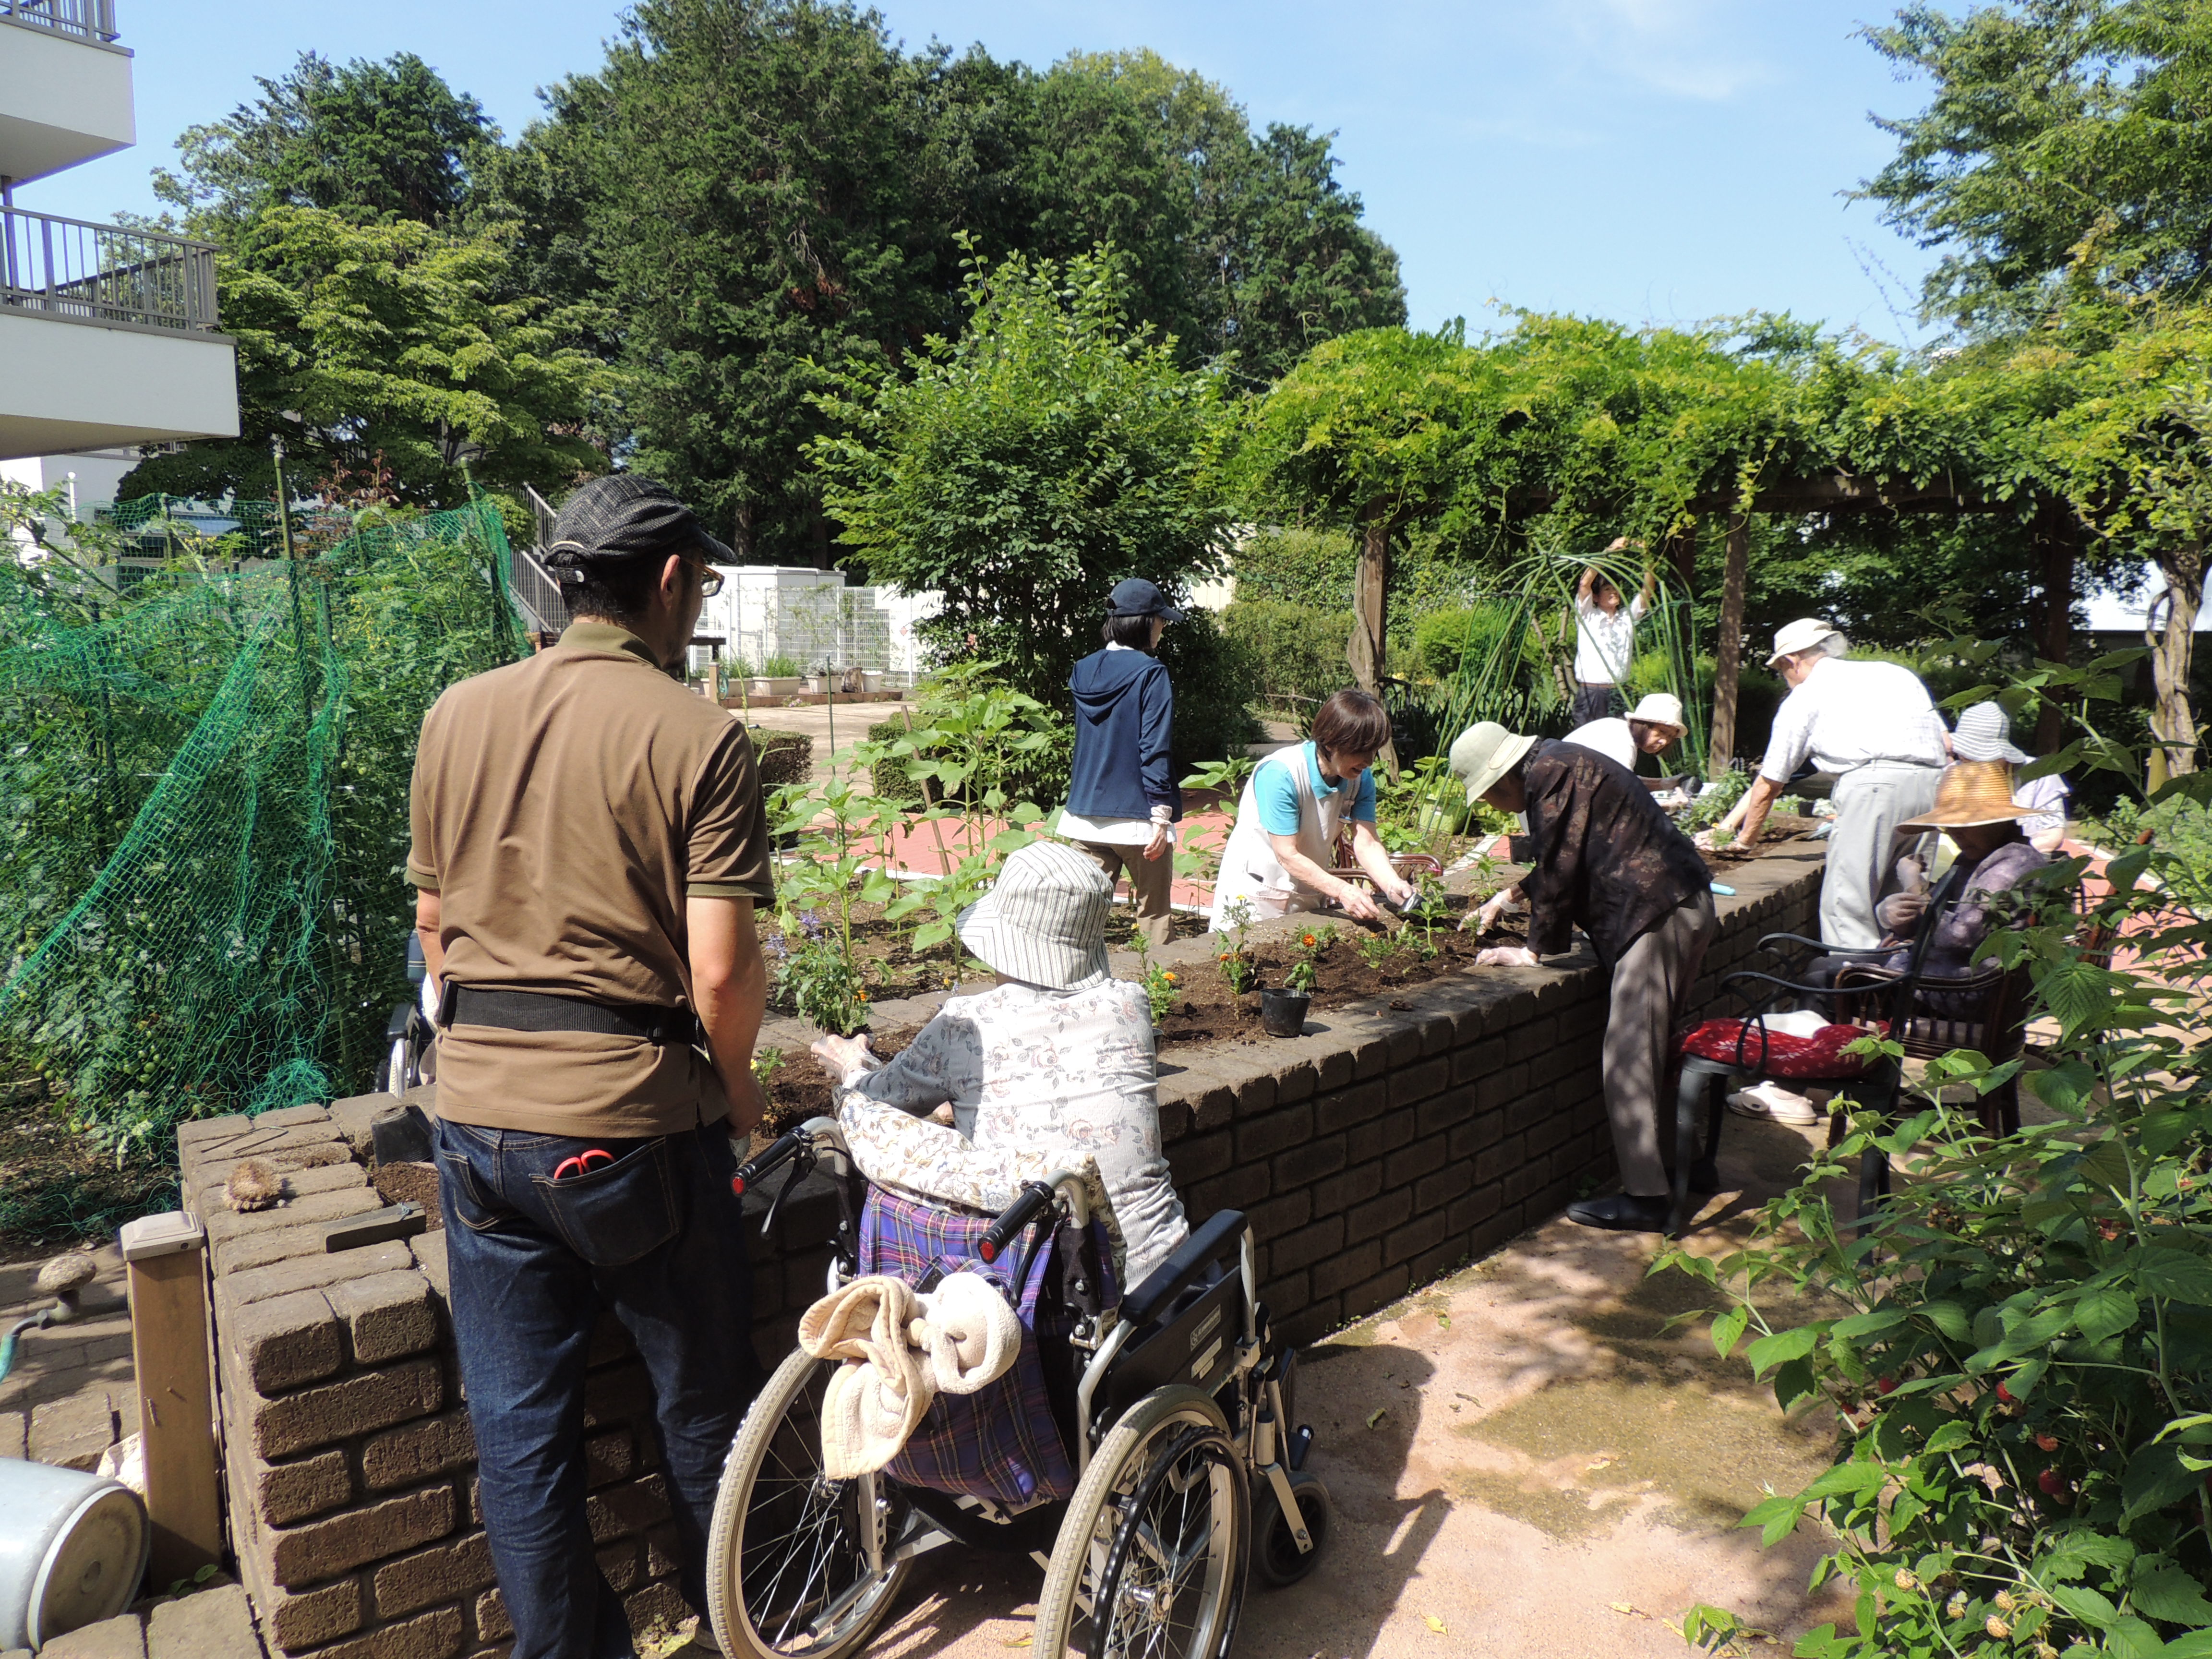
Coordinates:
[1000,1442]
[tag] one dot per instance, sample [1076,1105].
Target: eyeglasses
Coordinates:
[710,579]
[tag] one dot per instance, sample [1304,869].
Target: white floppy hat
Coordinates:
[1044,922]
[1485,753]
[1661,708]
[1801,635]
[1985,735]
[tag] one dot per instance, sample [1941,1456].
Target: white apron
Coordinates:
[1250,870]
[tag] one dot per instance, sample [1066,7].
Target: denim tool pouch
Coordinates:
[612,1215]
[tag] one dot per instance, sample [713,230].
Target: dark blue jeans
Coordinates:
[657,1235]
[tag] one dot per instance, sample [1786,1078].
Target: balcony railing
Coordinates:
[104,273]
[87,19]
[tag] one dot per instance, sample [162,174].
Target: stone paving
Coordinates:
[212,1623]
[72,1393]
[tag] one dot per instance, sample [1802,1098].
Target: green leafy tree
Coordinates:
[2065,155]
[1027,466]
[388,140]
[392,340]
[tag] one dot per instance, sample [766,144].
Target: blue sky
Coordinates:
[1651,160]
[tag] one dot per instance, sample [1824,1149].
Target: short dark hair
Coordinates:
[618,588]
[1135,632]
[1352,721]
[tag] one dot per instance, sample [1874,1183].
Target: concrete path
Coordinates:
[847,722]
[73,1391]
[1551,1475]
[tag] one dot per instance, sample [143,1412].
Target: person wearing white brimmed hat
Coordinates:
[1059,1054]
[1652,727]
[1984,733]
[1605,858]
[1874,725]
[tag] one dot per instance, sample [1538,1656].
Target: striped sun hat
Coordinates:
[1044,921]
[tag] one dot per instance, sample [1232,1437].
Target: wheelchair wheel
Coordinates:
[1151,1559]
[1275,1555]
[787,1569]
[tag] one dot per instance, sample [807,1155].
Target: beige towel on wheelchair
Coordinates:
[900,1347]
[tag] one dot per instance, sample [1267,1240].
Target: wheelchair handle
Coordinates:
[751,1171]
[1034,1200]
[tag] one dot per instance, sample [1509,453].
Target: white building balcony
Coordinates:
[64,87]
[107,337]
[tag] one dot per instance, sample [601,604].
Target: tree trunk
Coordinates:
[2173,722]
[1368,651]
[2058,537]
[1681,550]
[1728,649]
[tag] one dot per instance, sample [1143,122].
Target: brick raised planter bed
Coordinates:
[1390,1142]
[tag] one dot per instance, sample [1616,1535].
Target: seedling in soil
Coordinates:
[1159,982]
[1238,971]
[1304,972]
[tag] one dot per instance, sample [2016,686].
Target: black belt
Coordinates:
[535,1011]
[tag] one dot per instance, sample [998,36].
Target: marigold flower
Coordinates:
[1168,976]
[1310,941]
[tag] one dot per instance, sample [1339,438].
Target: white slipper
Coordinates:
[1775,1103]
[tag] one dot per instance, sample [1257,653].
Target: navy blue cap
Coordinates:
[1139,598]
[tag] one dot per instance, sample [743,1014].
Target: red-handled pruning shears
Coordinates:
[583,1163]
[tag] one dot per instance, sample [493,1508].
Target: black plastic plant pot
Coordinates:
[1283,1012]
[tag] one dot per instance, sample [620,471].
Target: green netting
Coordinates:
[204,813]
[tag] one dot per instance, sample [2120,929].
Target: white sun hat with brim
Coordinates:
[1485,753]
[1661,708]
[1801,635]
[1043,922]
[1984,733]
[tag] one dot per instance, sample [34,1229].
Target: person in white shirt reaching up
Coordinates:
[1874,725]
[1605,638]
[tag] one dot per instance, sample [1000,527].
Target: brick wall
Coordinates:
[1393,1141]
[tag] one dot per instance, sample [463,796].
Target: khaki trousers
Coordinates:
[1651,986]
[1149,883]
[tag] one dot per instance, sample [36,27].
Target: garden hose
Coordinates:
[37,1322]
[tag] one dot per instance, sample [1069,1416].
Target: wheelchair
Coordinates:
[1139,1450]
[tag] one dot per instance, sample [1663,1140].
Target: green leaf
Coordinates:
[1776,1518]
[2084,1604]
[2105,1310]
[2196,1644]
[1793,1382]
[2155,1477]
[2105,1164]
[2169,1592]
[1727,1329]
[1949,1436]
[1870,1324]
[931,933]
[1772,1350]
[2177,1274]
[1946,1317]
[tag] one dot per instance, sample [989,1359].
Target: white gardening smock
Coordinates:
[1250,871]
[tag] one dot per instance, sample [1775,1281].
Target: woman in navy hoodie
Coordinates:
[1122,803]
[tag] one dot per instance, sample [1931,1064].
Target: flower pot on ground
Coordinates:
[1283,1012]
[774,685]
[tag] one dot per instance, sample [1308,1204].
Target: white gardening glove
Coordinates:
[1505,956]
[1495,905]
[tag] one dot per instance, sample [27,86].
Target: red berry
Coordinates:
[2046,1442]
[2005,1394]
[2053,1484]
[1887,1385]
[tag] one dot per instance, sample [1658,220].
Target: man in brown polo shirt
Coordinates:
[589,845]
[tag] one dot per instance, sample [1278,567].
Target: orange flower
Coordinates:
[1170,978]
[1310,941]
[861,995]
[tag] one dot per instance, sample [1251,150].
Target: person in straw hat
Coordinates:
[1606,859]
[1975,808]
[1984,733]
[1871,724]
[1652,727]
[1059,1054]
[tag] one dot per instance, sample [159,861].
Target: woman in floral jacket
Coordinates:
[1058,1057]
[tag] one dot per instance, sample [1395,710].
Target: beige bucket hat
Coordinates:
[1044,922]
[1661,708]
[1485,753]
[1801,635]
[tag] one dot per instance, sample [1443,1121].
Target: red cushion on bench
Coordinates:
[1777,1054]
